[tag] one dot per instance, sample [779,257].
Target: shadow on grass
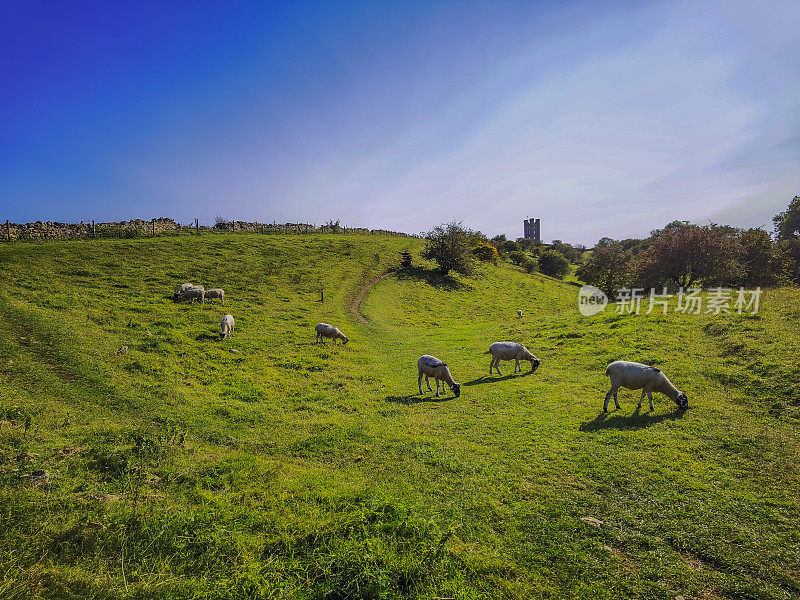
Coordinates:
[207,337]
[431,277]
[637,420]
[417,398]
[491,379]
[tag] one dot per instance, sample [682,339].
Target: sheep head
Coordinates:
[456,387]
[682,401]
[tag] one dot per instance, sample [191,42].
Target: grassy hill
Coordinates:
[267,466]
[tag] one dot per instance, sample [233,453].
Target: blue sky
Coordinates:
[602,119]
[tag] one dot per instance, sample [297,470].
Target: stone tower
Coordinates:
[532,230]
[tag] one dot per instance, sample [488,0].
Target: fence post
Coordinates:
[196,226]
[8,231]
[94,234]
[153,221]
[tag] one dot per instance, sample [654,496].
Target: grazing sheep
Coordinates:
[430,366]
[636,376]
[182,288]
[510,351]
[519,314]
[227,326]
[324,330]
[214,293]
[196,292]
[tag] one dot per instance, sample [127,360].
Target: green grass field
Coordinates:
[267,466]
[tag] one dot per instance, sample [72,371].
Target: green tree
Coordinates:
[758,257]
[688,254]
[450,246]
[571,253]
[788,257]
[554,264]
[608,267]
[787,223]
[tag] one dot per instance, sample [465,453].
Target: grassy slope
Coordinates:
[292,470]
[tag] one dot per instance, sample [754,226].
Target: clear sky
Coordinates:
[600,118]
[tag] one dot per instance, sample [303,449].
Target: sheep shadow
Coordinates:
[207,337]
[417,399]
[430,276]
[636,420]
[491,379]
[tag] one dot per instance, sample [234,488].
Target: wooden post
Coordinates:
[8,231]
[322,294]
[153,221]
[196,226]
[94,234]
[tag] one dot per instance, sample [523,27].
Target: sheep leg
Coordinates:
[640,400]
[517,368]
[437,387]
[496,364]
[611,392]
[428,383]
[419,381]
[650,397]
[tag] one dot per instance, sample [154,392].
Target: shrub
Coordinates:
[517,257]
[531,265]
[486,252]
[450,246]
[554,264]
[509,246]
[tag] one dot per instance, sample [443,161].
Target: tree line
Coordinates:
[684,254]
[456,248]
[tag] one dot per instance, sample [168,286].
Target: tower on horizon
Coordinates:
[532,230]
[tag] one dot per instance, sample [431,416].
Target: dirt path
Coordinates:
[354,303]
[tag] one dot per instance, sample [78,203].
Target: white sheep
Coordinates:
[196,292]
[636,376]
[329,331]
[182,288]
[430,366]
[510,351]
[214,293]
[227,326]
[519,314]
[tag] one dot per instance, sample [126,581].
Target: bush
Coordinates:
[509,246]
[517,257]
[486,253]
[450,246]
[531,265]
[554,264]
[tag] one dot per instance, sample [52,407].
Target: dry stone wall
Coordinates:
[54,230]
